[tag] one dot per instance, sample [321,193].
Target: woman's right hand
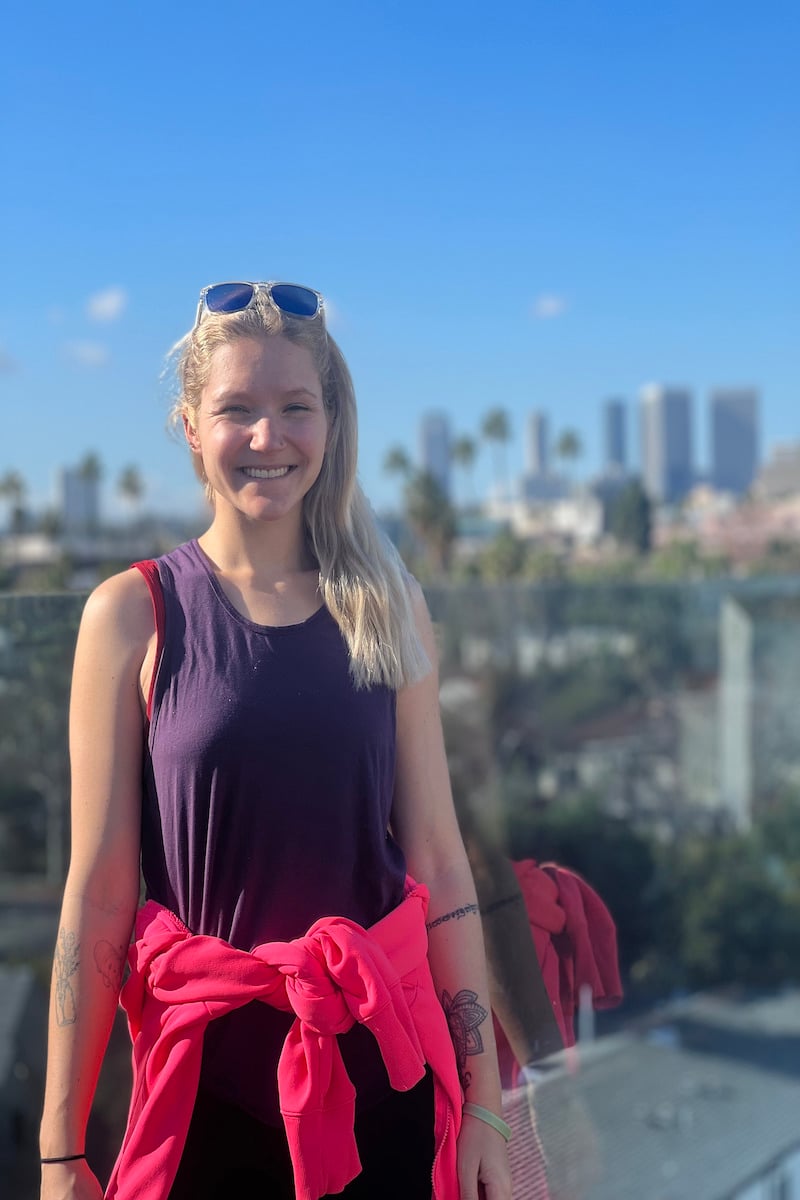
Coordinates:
[70,1181]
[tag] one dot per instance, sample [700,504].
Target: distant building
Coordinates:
[779,477]
[435,448]
[539,485]
[537,444]
[544,489]
[734,438]
[614,437]
[79,500]
[666,430]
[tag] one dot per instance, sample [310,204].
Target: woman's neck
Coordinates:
[263,550]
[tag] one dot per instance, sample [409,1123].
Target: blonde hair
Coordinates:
[363,581]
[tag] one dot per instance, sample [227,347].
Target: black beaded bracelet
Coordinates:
[66,1158]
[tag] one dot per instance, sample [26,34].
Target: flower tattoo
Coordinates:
[464,1016]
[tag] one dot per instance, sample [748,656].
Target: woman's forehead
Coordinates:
[263,362]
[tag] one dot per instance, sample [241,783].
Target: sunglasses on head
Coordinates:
[290,298]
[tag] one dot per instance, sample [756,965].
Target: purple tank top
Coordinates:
[267,798]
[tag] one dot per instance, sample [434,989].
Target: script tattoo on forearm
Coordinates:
[496,904]
[109,961]
[455,915]
[67,961]
[464,1016]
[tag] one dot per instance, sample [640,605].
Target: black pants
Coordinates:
[230,1154]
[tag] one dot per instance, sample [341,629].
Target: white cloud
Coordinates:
[87,354]
[548,305]
[107,305]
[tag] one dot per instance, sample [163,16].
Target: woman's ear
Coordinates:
[191,434]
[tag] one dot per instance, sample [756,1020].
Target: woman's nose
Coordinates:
[266,434]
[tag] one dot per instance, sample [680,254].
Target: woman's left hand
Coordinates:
[483,1170]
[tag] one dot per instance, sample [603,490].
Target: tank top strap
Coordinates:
[149,569]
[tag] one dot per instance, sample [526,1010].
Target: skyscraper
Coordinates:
[666,429]
[434,448]
[615,446]
[80,500]
[537,444]
[734,438]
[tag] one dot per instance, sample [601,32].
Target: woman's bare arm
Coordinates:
[101,892]
[425,824]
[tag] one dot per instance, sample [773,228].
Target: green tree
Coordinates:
[630,519]
[463,452]
[568,446]
[397,462]
[677,560]
[90,469]
[13,490]
[130,486]
[504,557]
[431,516]
[496,429]
[740,916]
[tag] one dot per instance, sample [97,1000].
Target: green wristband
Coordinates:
[484,1114]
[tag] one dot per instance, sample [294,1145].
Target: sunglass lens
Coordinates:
[229,297]
[294,300]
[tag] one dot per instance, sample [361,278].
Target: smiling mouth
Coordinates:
[266,472]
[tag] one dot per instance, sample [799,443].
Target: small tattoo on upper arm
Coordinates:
[464,1016]
[109,961]
[455,915]
[67,961]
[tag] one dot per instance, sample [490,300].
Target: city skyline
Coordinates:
[732,414]
[662,421]
[481,243]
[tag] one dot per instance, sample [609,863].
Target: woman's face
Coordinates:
[261,427]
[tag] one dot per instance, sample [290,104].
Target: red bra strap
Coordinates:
[149,569]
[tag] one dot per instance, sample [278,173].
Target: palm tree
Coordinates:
[397,462]
[130,486]
[91,469]
[496,428]
[568,446]
[463,452]
[431,516]
[12,490]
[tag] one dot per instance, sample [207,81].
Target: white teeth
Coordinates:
[263,473]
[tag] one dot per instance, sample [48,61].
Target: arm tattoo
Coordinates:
[455,915]
[464,1016]
[66,964]
[493,907]
[108,961]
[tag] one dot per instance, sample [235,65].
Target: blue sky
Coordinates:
[532,205]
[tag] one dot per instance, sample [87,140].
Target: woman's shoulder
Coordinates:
[120,609]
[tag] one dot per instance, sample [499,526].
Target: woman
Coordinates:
[255,717]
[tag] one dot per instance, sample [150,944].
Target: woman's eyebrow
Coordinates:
[301,391]
[224,396]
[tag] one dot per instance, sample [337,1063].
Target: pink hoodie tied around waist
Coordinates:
[335,975]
